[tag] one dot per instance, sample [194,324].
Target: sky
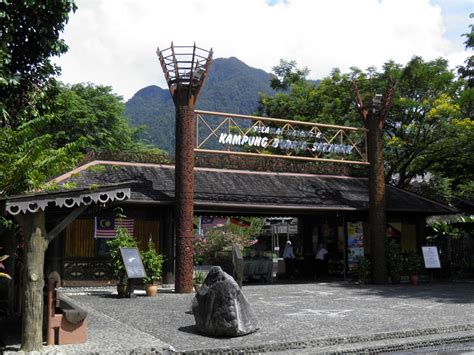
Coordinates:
[114,42]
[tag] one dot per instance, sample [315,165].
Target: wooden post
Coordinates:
[373,117]
[184,191]
[36,243]
[185,68]
[377,218]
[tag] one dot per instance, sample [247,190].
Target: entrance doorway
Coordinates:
[264,247]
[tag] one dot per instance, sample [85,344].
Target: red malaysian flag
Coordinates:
[105,226]
[127,223]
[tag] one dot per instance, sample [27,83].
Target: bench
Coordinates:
[67,323]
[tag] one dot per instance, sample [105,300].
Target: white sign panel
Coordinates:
[431,257]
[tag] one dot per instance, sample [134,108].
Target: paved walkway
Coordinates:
[294,318]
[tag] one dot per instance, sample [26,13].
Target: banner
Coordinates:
[105,226]
[355,243]
[239,222]
[213,222]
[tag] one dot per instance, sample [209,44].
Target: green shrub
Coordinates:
[153,263]
[199,277]
[122,240]
[395,259]
[362,270]
[413,264]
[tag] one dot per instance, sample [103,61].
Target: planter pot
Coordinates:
[414,279]
[151,290]
[197,287]
[122,290]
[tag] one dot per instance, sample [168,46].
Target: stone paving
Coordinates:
[294,318]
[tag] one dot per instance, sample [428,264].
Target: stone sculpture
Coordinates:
[221,309]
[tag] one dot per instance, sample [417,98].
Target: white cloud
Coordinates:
[114,42]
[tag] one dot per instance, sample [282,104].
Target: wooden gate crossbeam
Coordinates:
[293,137]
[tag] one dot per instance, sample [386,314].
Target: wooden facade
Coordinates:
[86,259]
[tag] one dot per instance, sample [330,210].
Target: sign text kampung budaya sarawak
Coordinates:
[271,137]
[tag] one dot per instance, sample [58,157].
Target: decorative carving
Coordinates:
[87,269]
[36,203]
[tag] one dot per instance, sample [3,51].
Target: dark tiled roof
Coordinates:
[230,187]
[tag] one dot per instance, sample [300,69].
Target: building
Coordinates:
[329,209]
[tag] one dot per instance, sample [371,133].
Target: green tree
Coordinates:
[28,159]
[29,37]
[420,122]
[428,130]
[327,101]
[287,74]
[93,112]
[82,118]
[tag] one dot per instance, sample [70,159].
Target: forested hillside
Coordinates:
[232,86]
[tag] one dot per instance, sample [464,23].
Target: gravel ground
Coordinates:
[293,318]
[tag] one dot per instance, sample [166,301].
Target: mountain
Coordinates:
[231,86]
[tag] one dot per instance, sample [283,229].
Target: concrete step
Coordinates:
[360,344]
[448,343]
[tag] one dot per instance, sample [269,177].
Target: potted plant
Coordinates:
[198,279]
[122,240]
[395,262]
[413,267]
[153,264]
[363,270]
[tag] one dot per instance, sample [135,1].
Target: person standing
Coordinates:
[288,256]
[321,262]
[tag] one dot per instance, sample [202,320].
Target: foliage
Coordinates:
[46,126]
[465,99]
[395,259]
[199,277]
[95,113]
[429,128]
[413,264]
[83,118]
[30,36]
[28,158]
[3,274]
[218,239]
[452,228]
[287,74]
[153,263]
[122,240]
[423,131]
[362,270]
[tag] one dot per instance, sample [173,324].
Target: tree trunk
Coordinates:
[377,220]
[33,228]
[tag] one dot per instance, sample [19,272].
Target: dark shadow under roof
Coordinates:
[259,190]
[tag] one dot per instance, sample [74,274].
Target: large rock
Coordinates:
[221,309]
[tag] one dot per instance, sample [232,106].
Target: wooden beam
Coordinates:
[279,120]
[65,222]
[292,157]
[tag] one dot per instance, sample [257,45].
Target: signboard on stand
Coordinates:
[431,257]
[133,263]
